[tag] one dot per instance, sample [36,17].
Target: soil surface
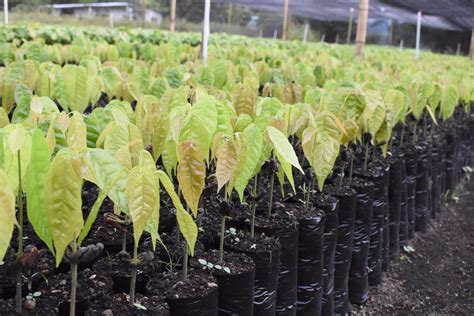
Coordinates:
[438,276]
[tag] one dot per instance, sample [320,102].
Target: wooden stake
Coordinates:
[285,20]
[275,34]
[362,27]
[458,49]
[305,35]
[323,37]
[401,45]
[5,12]
[111,20]
[173,15]
[206,28]
[418,34]
[390,34]
[349,28]
[337,38]
[229,13]
[471,53]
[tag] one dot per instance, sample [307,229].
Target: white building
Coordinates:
[118,10]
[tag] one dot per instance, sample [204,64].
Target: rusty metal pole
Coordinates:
[362,27]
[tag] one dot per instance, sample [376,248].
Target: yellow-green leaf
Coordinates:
[7,212]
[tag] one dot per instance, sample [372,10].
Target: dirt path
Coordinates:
[439,276]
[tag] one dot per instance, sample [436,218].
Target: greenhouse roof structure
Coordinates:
[441,14]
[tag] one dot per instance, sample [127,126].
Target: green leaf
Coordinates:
[37,170]
[283,147]
[226,163]
[76,87]
[191,174]
[254,138]
[7,212]
[394,100]
[109,173]
[64,202]
[186,224]
[449,101]
[142,193]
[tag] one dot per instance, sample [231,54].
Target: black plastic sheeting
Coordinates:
[287,277]
[422,186]
[411,163]
[394,199]
[374,260]
[386,223]
[206,305]
[235,293]
[310,262]
[345,231]
[403,232]
[331,209]
[435,192]
[267,265]
[358,272]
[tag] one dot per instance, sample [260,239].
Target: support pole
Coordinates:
[305,35]
[275,34]
[471,51]
[401,45]
[285,21]
[323,37]
[111,20]
[229,13]
[260,34]
[173,15]
[337,38]
[418,33]
[362,27]
[5,12]
[349,27]
[391,31]
[206,28]
[458,49]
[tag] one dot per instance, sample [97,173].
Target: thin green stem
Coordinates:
[254,209]
[19,281]
[351,168]
[185,261]
[402,137]
[221,243]
[72,307]
[270,201]
[133,280]
[366,157]
[342,174]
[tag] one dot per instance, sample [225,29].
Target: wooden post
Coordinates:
[275,34]
[337,38]
[229,13]
[260,34]
[323,37]
[458,49]
[305,35]
[285,21]
[471,51]
[390,34]
[5,12]
[362,27]
[111,20]
[401,45]
[418,34]
[349,28]
[206,28]
[173,15]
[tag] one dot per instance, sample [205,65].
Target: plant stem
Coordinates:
[366,156]
[402,136]
[270,201]
[221,243]
[133,280]
[185,261]
[72,307]
[124,241]
[415,134]
[351,167]
[254,209]
[342,174]
[18,294]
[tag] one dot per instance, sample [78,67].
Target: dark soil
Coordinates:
[438,276]
[119,305]
[172,286]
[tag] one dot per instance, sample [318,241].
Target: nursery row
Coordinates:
[137,179]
